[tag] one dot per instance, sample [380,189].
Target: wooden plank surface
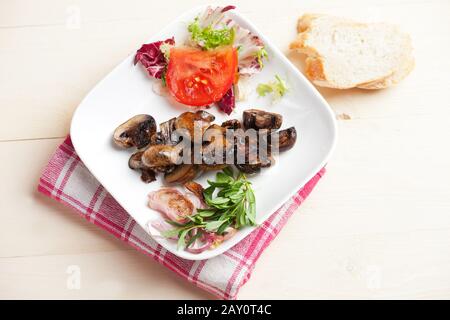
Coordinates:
[377,226]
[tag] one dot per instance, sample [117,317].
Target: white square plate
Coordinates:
[127,91]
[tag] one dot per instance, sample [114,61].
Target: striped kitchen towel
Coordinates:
[67,180]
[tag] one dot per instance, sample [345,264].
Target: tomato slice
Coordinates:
[197,77]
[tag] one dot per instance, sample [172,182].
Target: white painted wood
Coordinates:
[377,226]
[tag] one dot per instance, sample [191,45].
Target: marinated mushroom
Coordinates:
[135,163]
[160,155]
[212,167]
[287,138]
[233,124]
[255,165]
[248,151]
[164,136]
[250,157]
[259,119]
[215,145]
[182,173]
[188,120]
[246,148]
[164,169]
[249,168]
[195,188]
[148,175]
[135,132]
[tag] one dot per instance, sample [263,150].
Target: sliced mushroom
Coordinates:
[163,150]
[249,168]
[189,120]
[135,132]
[216,145]
[148,175]
[156,139]
[165,135]
[260,119]
[233,124]
[246,148]
[135,162]
[164,169]
[212,167]
[265,148]
[254,165]
[182,173]
[160,156]
[195,188]
[287,138]
[250,158]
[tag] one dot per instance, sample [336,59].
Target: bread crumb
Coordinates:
[343,116]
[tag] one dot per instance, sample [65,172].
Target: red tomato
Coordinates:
[198,77]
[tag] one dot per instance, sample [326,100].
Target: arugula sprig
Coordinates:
[231,202]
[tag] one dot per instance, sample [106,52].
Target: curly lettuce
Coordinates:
[214,27]
[278,88]
[210,38]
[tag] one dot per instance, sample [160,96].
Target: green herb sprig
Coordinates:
[235,200]
[231,202]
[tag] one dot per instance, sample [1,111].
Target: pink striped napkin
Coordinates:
[67,180]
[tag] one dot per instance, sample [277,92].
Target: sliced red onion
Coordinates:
[229,233]
[198,203]
[200,245]
[161,200]
[162,226]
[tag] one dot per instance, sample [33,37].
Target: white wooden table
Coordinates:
[377,226]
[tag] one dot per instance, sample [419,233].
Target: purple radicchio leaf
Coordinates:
[227,103]
[151,57]
[227,8]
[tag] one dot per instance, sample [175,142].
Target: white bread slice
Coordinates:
[344,54]
[406,67]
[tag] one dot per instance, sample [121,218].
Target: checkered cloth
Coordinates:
[67,180]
